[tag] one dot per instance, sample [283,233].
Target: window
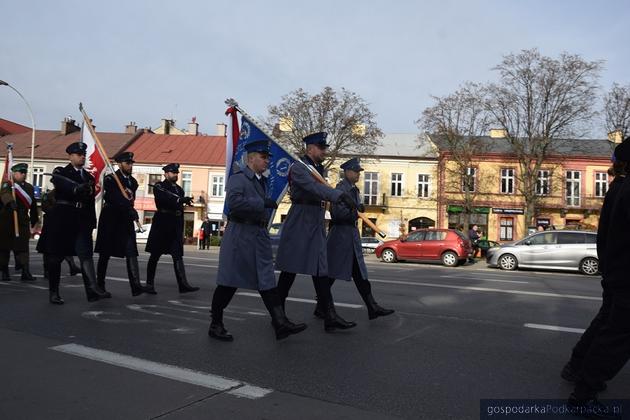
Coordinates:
[218,188]
[38,176]
[601,184]
[397,185]
[468,180]
[573,188]
[542,184]
[543,239]
[506,229]
[187,183]
[507,181]
[153,178]
[435,235]
[571,238]
[370,188]
[416,236]
[423,185]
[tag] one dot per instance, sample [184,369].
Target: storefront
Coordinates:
[479,217]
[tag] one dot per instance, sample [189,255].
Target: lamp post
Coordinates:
[30,113]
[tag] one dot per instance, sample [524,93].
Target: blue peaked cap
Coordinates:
[317,138]
[260,146]
[353,165]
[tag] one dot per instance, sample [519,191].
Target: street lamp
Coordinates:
[30,113]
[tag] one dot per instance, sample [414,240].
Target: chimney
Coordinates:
[221,129]
[131,128]
[615,136]
[193,127]
[167,124]
[68,126]
[498,133]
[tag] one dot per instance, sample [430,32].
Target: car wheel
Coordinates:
[449,259]
[589,266]
[388,256]
[508,262]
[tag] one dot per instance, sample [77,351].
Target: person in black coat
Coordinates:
[167,230]
[69,224]
[604,348]
[116,235]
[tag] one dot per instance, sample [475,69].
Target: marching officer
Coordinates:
[69,224]
[167,230]
[245,258]
[345,255]
[26,207]
[302,247]
[116,235]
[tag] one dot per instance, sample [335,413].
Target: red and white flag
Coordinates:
[94,161]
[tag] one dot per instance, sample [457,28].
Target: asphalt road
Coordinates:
[459,335]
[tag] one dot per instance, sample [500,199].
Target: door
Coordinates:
[571,249]
[411,247]
[541,249]
[433,245]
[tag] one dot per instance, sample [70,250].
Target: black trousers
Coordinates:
[322,287]
[223,296]
[584,343]
[610,346]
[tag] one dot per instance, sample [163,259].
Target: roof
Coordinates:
[51,144]
[405,145]
[9,127]
[151,148]
[587,148]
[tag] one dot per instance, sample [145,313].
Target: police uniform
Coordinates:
[609,349]
[245,257]
[345,254]
[302,247]
[167,230]
[69,225]
[27,217]
[116,235]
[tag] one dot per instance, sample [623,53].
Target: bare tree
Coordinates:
[617,109]
[344,115]
[458,122]
[537,100]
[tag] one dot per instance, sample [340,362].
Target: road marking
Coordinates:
[555,328]
[345,305]
[480,279]
[486,289]
[206,380]
[32,286]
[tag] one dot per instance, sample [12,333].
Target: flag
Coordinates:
[94,161]
[8,162]
[7,177]
[279,162]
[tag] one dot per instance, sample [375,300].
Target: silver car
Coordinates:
[557,250]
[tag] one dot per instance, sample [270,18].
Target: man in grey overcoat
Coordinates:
[345,254]
[302,247]
[245,257]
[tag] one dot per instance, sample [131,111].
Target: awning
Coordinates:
[460,209]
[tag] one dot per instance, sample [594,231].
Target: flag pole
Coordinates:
[101,149]
[231,102]
[16,228]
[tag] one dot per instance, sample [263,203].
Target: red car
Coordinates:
[447,245]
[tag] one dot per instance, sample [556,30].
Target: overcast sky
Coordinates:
[145,60]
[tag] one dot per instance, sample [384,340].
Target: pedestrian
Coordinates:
[604,348]
[474,236]
[201,245]
[345,254]
[206,228]
[245,257]
[302,248]
[69,224]
[116,235]
[24,205]
[167,231]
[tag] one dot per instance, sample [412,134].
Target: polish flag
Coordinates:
[94,161]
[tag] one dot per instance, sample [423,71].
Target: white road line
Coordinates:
[345,305]
[485,289]
[32,286]
[480,279]
[206,380]
[555,328]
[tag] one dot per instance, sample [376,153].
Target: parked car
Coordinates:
[141,237]
[369,244]
[556,250]
[449,246]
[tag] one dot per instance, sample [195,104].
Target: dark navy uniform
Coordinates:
[345,254]
[26,208]
[116,226]
[69,225]
[167,230]
[245,258]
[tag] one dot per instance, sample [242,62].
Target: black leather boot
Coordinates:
[74,268]
[332,321]
[26,274]
[92,291]
[101,272]
[282,325]
[133,271]
[217,330]
[319,312]
[151,267]
[180,275]
[54,272]
[374,309]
